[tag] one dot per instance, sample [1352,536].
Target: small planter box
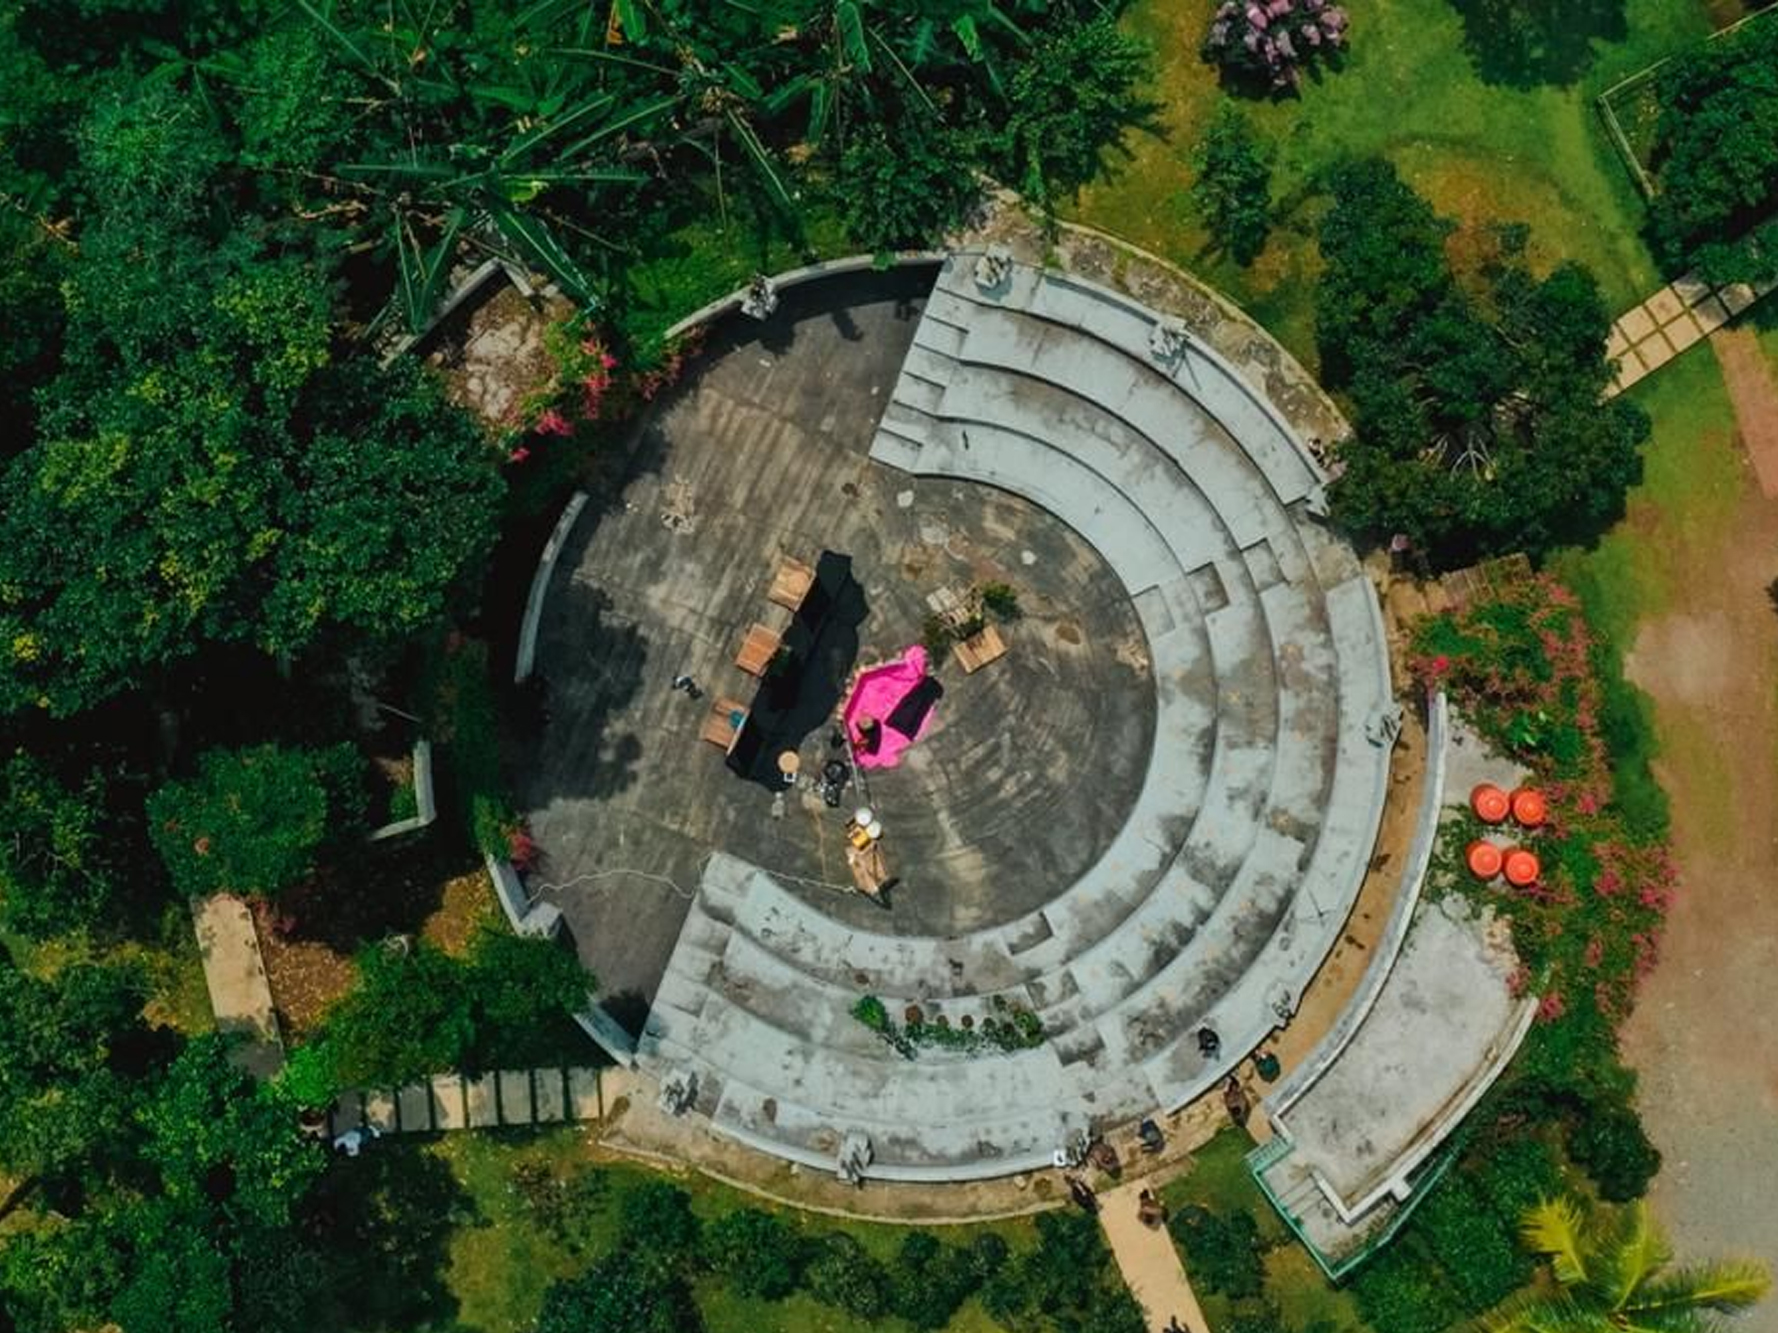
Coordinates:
[979,649]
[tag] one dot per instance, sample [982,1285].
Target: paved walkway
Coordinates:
[234,971]
[1649,336]
[1149,1262]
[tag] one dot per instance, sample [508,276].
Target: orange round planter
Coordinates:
[1522,868]
[1529,808]
[1490,803]
[1484,859]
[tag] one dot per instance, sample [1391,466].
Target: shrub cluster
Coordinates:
[1222,1250]
[417,1010]
[254,821]
[762,1255]
[1716,157]
[1007,1027]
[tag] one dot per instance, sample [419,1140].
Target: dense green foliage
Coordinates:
[618,1294]
[1473,1243]
[1070,101]
[1222,1249]
[255,821]
[418,1011]
[757,1251]
[65,852]
[1716,157]
[1610,1145]
[1069,1277]
[1479,422]
[1234,186]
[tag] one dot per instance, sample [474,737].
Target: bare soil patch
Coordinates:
[1704,1032]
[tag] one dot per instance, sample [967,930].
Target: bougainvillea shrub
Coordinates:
[1524,669]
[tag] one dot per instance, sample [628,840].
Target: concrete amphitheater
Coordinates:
[1230,743]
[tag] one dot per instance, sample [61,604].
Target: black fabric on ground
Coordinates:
[799,694]
[911,712]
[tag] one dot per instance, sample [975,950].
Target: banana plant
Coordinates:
[521,132]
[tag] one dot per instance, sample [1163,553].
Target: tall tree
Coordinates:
[1480,425]
[1234,186]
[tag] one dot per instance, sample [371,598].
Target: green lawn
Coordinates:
[502,1253]
[1693,478]
[1219,1180]
[1481,151]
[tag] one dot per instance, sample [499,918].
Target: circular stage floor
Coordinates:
[1148,820]
[1031,764]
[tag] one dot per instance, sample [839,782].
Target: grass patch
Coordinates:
[1482,152]
[1219,1181]
[1693,480]
[711,251]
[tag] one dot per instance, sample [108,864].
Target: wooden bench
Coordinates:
[721,728]
[791,584]
[758,649]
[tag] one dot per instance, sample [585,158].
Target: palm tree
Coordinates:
[1614,1275]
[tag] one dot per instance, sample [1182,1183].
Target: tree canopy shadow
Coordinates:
[383,1222]
[1535,43]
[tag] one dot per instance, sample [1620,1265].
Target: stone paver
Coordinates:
[1675,318]
[1711,313]
[1691,289]
[1637,324]
[1655,352]
[234,974]
[1149,1262]
[414,1107]
[448,1110]
[583,1094]
[348,1113]
[379,1110]
[1682,333]
[1665,305]
[515,1097]
[547,1095]
[483,1102]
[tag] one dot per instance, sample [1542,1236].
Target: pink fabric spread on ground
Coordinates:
[876,694]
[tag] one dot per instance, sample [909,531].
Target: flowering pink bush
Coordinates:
[1274,40]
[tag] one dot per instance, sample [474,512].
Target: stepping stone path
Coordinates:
[508,1097]
[1682,313]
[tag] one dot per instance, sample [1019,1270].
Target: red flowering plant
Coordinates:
[592,393]
[1523,667]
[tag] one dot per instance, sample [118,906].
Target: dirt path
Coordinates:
[1148,1261]
[1749,377]
[1705,1032]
